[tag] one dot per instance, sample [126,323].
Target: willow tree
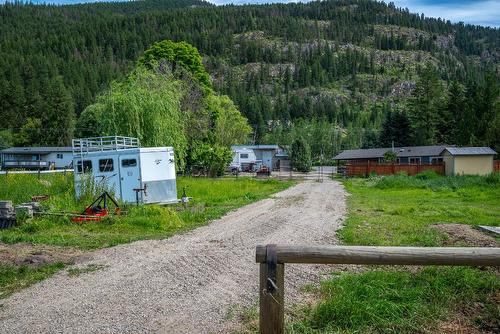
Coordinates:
[146,106]
[229,127]
[177,54]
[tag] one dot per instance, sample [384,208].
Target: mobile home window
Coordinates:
[60,155]
[129,163]
[106,165]
[436,160]
[87,166]
[244,156]
[415,160]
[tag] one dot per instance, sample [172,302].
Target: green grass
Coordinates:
[398,211]
[397,301]
[212,198]
[14,278]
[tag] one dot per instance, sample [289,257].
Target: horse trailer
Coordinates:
[131,173]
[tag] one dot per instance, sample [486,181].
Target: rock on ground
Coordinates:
[189,283]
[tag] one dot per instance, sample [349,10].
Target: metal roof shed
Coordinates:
[468,160]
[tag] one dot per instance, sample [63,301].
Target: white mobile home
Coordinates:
[36,157]
[131,173]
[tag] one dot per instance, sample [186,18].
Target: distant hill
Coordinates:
[348,62]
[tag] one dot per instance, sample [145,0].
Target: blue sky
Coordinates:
[482,12]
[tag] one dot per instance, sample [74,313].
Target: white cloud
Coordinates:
[483,12]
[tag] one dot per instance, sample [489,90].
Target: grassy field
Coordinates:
[399,211]
[212,198]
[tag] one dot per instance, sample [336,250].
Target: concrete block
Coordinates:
[6,205]
[24,211]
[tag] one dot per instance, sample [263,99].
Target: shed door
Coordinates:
[267,159]
[130,177]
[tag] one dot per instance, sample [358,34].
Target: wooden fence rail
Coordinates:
[272,261]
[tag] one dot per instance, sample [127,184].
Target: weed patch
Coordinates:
[75,272]
[15,278]
[396,301]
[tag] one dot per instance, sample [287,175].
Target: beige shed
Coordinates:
[468,160]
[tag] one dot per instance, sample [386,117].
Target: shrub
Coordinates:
[213,159]
[301,155]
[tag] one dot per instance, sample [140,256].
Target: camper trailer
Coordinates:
[131,173]
[244,160]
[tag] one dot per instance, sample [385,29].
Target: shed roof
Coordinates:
[36,150]
[408,151]
[470,151]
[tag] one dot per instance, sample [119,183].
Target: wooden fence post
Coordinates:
[272,258]
[272,304]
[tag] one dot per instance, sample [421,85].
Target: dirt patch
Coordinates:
[465,235]
[473,320]
[459,327]
[36,255]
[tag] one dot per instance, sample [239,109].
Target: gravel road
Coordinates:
[190,283]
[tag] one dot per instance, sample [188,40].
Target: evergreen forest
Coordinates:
[337,74]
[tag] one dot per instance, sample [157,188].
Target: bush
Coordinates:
[213,159]
[427,175]
[301,155]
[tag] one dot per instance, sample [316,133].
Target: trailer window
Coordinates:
[129,163]
[106,165]
[87,166]
[244,156]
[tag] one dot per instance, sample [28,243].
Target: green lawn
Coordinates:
[212,198]
[398,211]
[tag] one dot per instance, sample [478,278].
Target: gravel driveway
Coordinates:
[189,283]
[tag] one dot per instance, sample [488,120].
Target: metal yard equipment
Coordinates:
[98,209]
[264,171]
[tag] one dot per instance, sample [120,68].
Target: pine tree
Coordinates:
[59,115]
[425,107]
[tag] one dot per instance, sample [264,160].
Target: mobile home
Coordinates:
[130,172]
[36,157]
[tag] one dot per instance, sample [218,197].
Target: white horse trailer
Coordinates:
[129,172]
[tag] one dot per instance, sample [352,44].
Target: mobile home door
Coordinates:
[130,177]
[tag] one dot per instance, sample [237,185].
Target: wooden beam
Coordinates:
[451,256]
[272,304]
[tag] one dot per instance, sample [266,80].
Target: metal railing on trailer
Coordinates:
[83,146]
[272,261]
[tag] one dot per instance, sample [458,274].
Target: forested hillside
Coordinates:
[341,74]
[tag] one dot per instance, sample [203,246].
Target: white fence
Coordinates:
[36,171]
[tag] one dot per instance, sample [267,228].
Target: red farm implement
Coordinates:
[97,210]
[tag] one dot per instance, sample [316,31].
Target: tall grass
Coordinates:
[212,198]
[398,301]
[433,181]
